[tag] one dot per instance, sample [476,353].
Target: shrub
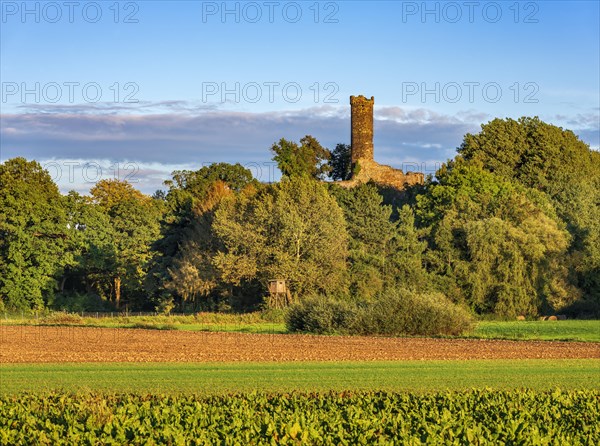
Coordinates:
[77,302]
[322,315]
[150,326]
[274,315]
[62,318]
[396,312]
[583,309]
[403,312]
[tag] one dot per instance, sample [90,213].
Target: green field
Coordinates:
[273,323]
[569,330]
[218,378]
[472,417]
[525,402]
[258,322]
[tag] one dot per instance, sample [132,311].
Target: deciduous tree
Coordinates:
[294,230]
[308,159]
[33,232]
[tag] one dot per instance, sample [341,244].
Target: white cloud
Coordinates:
[158,137]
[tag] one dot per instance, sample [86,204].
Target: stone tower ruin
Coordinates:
[361,138]
[364,166]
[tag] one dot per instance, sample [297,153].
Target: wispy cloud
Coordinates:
[163,136]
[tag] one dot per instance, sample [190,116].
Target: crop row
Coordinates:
[471,417]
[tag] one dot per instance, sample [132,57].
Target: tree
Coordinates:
[134,218]
[197,182]
[308,159]
[187,195]
[32,235]
[293,230]
[556,163]
[90,246]
[341,163]
[538,155]
[405,268]
[382,253]
[370,233]
[495,248]
[193,274]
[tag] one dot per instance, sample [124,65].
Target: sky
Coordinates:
[136,89]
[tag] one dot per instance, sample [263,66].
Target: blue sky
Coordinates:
[137,89]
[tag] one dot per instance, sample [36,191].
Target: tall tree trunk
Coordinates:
[117,292]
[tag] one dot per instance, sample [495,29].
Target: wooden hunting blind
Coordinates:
[279,294]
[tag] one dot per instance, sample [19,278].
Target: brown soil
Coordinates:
[22,344]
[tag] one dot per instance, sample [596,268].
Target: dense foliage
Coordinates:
[293,230]
[553,161]
[493,246]
[474,417]
[396,312]
[308,159]
[510,227]
[341,162]
[33,226]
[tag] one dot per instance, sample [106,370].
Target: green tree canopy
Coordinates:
[134,219]
[188,193]
[308,159]
[33,232]
[383,253]
[341,163]
[293,230]
[370,233]
[90,246]
[192,274]
[491,245]
[554,161]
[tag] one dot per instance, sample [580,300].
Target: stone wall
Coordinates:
[386,176]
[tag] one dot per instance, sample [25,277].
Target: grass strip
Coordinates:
[220,378]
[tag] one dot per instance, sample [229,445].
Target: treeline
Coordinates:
[510,226]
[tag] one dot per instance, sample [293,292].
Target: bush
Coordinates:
[77,302]
[62,318]
[394,313]
[322,315]
[403,312]
[583,309]
[274,315]
[150,326]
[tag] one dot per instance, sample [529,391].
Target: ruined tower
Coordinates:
[364,166]
[361,139]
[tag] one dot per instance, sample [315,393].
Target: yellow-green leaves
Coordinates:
[522,417]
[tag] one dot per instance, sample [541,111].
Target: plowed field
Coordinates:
[27,344]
